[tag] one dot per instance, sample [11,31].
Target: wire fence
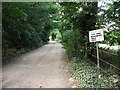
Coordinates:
[100,68]
[106,51]
[106,62]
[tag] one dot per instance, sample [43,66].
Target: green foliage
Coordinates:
[110,19]
[26,25]
[73,43]
[87,75]
[58,34]
[112,37]
[77,20]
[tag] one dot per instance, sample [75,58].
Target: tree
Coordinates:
[78,18]
[26,25]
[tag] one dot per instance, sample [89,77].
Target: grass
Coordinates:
[89,76]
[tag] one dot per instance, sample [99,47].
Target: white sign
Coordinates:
[96,35]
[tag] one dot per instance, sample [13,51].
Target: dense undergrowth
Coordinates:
[89,76]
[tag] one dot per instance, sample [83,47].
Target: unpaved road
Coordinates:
[45,67]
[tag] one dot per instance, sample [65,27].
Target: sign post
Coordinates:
[95,36]
[98,64]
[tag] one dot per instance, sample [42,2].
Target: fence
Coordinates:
[102,60]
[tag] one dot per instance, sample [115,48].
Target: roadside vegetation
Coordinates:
[27,26]
[77,20]
[88,75]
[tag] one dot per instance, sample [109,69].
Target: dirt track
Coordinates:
[45,67]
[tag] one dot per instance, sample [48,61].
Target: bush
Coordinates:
[72,42]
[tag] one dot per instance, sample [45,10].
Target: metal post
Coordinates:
[98,65]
